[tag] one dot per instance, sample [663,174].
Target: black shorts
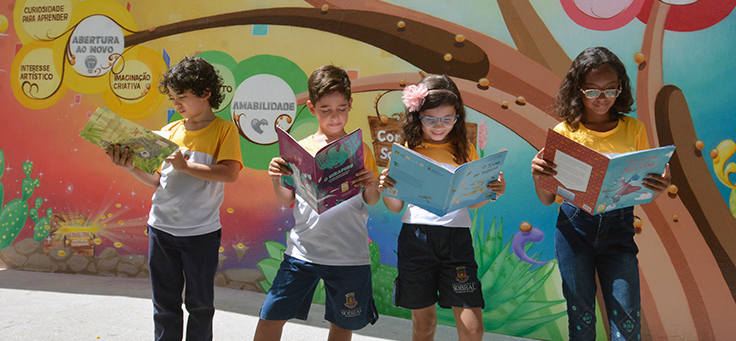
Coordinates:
[436,265]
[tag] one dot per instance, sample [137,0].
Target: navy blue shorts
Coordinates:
[349,293]
[436,265]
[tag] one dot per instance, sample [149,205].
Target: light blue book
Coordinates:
[436,188]
[622,186]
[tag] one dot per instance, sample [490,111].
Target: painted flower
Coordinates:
[602,15]
[482,135]
[690,16]
[682,15]
[413,96]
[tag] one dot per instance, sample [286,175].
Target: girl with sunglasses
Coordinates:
[435,253]
[592,102]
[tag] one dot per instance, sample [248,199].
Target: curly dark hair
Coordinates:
[195,74]
[327,79]
[442,91]
[568,103]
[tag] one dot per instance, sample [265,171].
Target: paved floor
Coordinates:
[53,306]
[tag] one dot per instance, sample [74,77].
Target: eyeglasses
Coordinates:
[594,93]
[429,121]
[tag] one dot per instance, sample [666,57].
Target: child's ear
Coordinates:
[311,107]
[350,104]
[206,94]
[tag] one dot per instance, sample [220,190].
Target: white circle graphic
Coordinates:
[96,45]
[260,103]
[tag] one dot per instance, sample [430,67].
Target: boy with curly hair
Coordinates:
[184,227]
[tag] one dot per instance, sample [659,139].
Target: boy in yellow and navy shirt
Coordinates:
[184,223]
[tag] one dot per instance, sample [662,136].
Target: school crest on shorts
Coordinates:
[350,301]
[462,275]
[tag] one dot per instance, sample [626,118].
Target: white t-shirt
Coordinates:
[182,204]
[336,237]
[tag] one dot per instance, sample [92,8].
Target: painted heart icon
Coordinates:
[256,124]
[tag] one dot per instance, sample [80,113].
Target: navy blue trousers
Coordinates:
[177,263]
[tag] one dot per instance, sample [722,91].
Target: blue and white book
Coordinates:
[436,187]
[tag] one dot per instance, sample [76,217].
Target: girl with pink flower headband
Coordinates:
[436,261]
[414,95]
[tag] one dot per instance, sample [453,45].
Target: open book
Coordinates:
[323,180]
[105,128]
[435,187]
[599,182]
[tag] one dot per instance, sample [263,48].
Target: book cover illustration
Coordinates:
[598,182]
[437,187]
[106,128]
[323,180]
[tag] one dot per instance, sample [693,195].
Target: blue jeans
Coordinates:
[176,262]
[604,243]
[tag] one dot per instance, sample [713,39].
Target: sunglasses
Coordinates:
[429,121]
[594,93]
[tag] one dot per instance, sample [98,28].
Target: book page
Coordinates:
[571,172]
[471,179]
[304,177]
[164,134]
[337,164]
[623,184]
[419,181]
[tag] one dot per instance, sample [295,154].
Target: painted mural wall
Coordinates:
[66,208]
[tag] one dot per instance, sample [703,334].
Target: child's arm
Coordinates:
[393,204]
[540,168]
[224,171]
[123,158]
[367,180]
[498,187]
[276,169]
[658,183]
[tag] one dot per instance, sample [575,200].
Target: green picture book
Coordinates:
[106,128]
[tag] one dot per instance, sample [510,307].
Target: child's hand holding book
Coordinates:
[121,156]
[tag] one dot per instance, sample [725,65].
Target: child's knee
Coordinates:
[270,324]
[472,332]
[424,324]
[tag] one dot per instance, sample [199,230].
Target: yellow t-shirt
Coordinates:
[338,236]
[441,153]
[628,136]
[184,205]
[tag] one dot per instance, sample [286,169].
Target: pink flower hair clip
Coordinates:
[413,96]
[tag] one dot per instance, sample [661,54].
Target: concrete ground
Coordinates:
[55,306]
